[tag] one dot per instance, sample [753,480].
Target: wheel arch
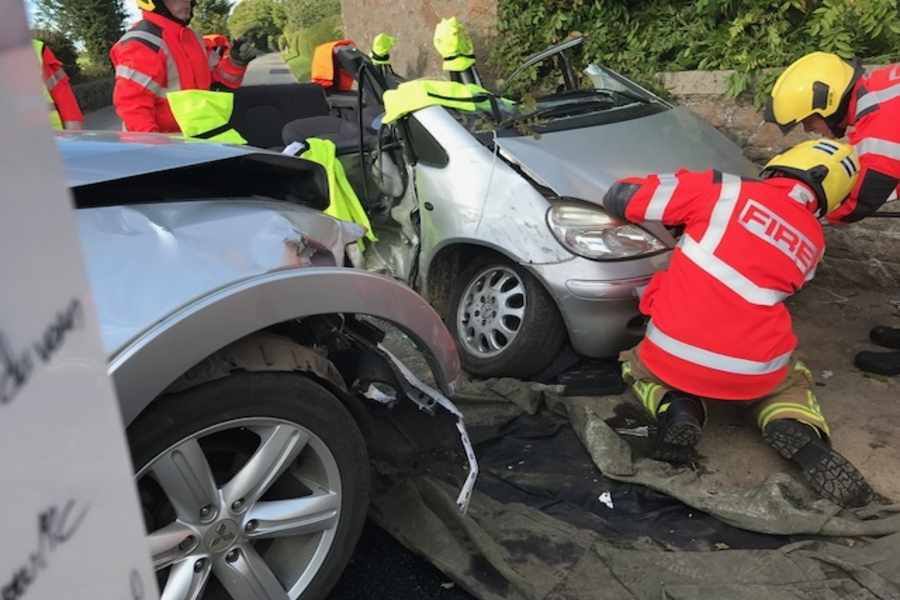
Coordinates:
[168,350]
[447,262]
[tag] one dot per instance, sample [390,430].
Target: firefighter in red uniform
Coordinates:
[718,326]
[64,110]
[162,54]
[831,97]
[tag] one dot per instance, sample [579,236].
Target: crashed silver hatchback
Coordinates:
[245,358]
[516,250]
[495,216]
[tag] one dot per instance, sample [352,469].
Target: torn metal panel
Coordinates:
[427,398]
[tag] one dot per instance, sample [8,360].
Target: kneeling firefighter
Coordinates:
[719,328]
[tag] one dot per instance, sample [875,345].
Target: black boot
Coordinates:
[882,363]
[830,474]
[679,421]
[886,337]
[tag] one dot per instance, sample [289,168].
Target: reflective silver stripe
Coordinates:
[728,276]
[722,211]
[141,79]
[155,39]
[802,195]
[228,76]
[877,146]
[73,125]
[173,80]
[661,197]
[714,360]
[873,98]
[54,79]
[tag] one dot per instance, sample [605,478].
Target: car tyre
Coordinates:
[272,439]
[504,321]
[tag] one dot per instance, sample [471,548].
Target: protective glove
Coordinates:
[243,51]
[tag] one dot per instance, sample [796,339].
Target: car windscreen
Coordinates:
[596,96]
[253,175]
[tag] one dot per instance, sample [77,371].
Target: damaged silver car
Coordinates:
[244,357]
[494,216]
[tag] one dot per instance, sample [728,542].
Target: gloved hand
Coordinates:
[243,51]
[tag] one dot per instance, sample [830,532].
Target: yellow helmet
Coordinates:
[147,5]
[819,83]
[830,168]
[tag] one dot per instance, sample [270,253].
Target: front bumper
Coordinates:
[599,300]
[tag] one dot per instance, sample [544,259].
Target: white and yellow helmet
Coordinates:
[830,168]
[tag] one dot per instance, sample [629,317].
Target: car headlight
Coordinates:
[590,232]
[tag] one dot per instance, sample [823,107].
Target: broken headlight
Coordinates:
[588,231]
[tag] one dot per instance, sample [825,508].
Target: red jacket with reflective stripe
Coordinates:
[719,328]
[158,55]
[60,89]
[874,118]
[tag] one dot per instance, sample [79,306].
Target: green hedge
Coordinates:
[297,46]
[643,37]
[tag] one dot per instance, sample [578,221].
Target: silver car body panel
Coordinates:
[148,364]
[196,247]
[480,199]
[94,156]
[583,163]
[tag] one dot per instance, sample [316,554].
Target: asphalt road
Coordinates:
[381,568]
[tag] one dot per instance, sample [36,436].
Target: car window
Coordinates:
[427,150]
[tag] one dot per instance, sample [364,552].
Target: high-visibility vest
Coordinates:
[205,115]
[422,93]
[718,324]
[874,114]
[55,119]
[343,203]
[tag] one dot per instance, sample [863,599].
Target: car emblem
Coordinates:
[222,536]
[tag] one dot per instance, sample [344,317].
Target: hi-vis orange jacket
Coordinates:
[719,327]
[60,89]
[159,55]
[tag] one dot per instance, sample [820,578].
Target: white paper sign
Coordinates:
[71,525]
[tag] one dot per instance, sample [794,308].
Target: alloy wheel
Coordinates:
[491,312]
[247,508]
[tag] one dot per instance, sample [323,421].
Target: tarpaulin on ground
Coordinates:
[567,506]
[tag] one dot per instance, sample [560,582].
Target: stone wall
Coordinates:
[412,22]
[865,254]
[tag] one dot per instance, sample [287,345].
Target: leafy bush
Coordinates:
[96,24]
[302,14]
[62,48]
[301,44]
[211,16]
[642,37]
[257,21]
